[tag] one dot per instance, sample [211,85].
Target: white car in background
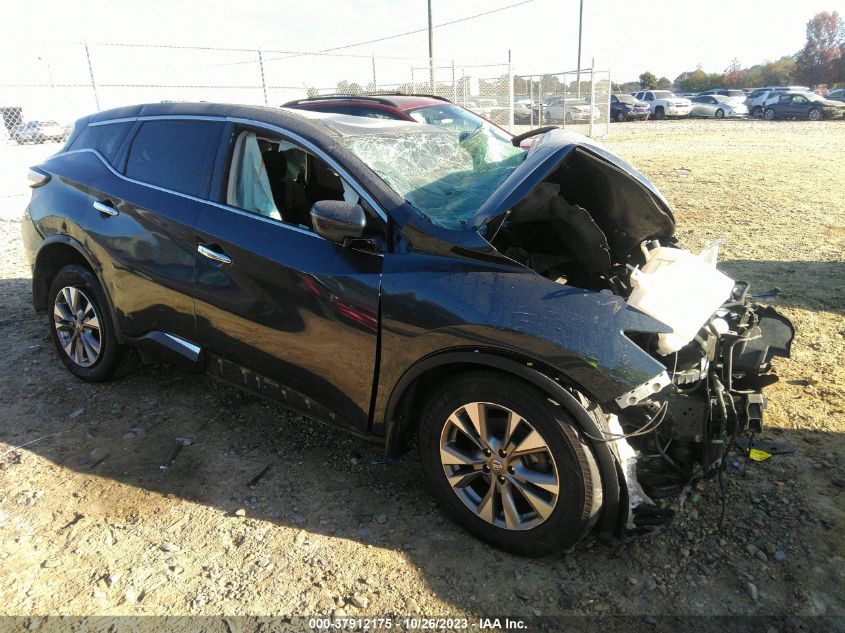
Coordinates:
[758,98]
[717,106]
[664,103]
[568,111]
[732,93]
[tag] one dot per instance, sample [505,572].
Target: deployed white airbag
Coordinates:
[252,190]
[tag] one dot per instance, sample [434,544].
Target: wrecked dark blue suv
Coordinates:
[407,283]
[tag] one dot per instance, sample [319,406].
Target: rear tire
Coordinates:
[769,114]
[82,329]
[495,495]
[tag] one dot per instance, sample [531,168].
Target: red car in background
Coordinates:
[428,109]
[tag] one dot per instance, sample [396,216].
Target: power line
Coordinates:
[436,26]
[384,39]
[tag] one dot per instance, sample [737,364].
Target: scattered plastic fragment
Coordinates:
[757,455]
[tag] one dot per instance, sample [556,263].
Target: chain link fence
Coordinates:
[574,100]
[49,85]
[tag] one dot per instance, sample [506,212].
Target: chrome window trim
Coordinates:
[225,207]
[260,124]
[159,117]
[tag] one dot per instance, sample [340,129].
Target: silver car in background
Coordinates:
[717,106]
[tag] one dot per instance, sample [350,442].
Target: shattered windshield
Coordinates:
[446,175]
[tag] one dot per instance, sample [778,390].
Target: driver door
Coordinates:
[281,310]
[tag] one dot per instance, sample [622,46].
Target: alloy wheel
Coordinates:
[499,466]
[77,325]
[815,115]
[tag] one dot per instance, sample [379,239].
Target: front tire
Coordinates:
[659,113]
[720,114]
[815,115]
[81,326]
[620,117]
[507,465]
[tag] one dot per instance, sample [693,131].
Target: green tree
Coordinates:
[648,81]
[664,84]
[817,62]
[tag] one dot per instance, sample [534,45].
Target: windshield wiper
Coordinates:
[516,140]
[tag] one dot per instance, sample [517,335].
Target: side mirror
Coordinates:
[338,221]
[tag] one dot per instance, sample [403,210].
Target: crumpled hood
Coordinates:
[627,206]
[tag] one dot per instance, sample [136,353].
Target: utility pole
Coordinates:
[431,49]
[580,27]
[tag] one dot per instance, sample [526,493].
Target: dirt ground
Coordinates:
[90,524]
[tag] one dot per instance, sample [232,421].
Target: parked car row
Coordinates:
[773,102]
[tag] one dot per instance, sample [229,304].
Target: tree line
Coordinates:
[821,62]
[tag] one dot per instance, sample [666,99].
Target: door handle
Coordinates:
[105,208]
[206,251]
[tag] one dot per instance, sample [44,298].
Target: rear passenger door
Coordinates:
[147,224]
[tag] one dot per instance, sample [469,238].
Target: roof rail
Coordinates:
[378,97]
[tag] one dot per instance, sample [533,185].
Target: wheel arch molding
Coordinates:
[56,252]
[400,418]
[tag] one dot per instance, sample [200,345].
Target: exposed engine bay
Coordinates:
[593,225]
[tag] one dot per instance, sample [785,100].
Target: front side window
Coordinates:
[278,179]
[175,154]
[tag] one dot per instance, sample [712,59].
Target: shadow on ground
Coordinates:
[283,470]
[816,286]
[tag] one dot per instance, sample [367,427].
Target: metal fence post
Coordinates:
[510,93]
[454,85]
[609,92]
[91,74]
[375,81]
[592,95]
[261,68]
[413,83]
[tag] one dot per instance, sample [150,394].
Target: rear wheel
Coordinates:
[769,114]
[81,326]
[507,465]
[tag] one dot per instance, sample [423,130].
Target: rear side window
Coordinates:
[105,139]
[176,155]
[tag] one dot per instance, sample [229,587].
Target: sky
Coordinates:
[628,37]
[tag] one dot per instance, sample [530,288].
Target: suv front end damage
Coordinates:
[580,216]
